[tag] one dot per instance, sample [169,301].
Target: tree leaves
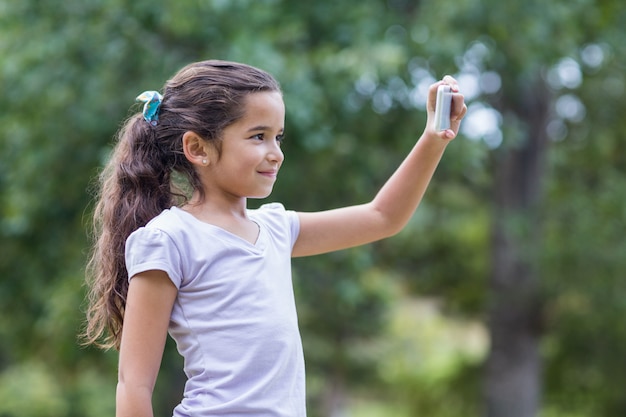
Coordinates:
[352,73]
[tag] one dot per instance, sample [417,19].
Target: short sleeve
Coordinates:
[294,223]
[152,249]
[277,214]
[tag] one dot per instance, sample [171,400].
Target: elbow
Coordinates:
[133,400]
[390,224]
[131,385]
[393,229]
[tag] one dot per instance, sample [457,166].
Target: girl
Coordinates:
[203,267]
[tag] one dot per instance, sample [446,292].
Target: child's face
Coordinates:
[250,149]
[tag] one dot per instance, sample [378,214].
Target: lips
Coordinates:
[271,173]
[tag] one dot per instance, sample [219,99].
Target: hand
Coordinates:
[457,109]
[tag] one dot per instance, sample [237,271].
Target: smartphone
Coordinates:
[442,107]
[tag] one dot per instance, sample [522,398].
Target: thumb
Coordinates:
[447,134]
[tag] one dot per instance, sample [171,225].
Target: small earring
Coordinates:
[204,162]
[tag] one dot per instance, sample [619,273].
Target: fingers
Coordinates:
[451,81]
[432,93]
[458,108]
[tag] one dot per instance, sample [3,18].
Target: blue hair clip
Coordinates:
[152,102]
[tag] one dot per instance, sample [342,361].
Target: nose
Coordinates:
[275,153]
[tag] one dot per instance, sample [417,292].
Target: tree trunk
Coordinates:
[513,369]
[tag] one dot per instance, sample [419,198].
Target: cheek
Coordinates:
[243,164]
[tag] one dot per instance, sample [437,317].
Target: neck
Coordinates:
[207,207]
[232,217]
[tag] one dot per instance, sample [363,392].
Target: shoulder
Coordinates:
[273,213]
[154,247]
[278,219]
[168,221]
[162,229]
[167,231]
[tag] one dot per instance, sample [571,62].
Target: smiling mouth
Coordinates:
[271,174]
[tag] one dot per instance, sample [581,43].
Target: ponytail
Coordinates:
[134,188]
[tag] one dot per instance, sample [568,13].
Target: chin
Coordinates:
[261,195]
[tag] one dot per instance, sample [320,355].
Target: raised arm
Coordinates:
[393,206]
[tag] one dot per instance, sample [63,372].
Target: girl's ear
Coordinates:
[196,149]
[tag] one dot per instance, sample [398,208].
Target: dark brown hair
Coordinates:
[136,183]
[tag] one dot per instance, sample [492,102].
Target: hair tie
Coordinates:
[152,101]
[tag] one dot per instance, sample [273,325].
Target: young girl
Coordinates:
[203,267]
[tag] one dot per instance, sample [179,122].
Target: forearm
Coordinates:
[133,401]
[400,196]
[402,193]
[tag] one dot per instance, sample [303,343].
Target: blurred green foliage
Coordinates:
[353,75]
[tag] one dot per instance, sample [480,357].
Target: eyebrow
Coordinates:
[262,127]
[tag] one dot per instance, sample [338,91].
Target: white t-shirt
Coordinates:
[234,319]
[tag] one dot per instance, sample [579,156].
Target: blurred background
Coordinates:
[503,297]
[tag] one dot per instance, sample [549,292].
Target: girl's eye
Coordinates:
[260,136]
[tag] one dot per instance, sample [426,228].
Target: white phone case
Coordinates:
[442,108]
